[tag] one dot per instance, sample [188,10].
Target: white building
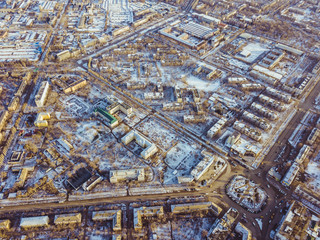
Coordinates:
[127,175]
[42,94]
[208,160]
[291,174]
[31,222]
[302,155]
[150,148]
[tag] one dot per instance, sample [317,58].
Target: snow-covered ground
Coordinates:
[160,231]
[246,193]
[177,154]
[158,133]
[259,221]
[208,86]
[238,64]
[312,172]
[191,229]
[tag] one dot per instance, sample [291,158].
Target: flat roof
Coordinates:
[107,115]
[80,177]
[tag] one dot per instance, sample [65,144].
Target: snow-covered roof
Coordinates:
[34,221]
[268,72]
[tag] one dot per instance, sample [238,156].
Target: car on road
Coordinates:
[233,164]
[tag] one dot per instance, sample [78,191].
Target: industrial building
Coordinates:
[206,18]
[150,148]
[127,175]
[197,30]
[146,212]
[42,94]
[113,215]
[66,219]
[182,38]
[291,50]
